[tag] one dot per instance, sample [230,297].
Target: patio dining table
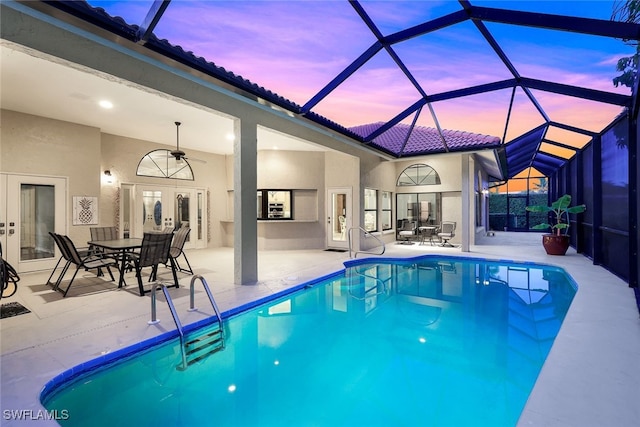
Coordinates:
[119,245]
[427,232]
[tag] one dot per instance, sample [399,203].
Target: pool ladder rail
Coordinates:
[198,347]
[353,253]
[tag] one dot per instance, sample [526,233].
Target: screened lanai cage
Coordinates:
[540,82]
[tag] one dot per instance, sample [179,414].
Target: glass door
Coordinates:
[161,208]
[33,206]
[338,217]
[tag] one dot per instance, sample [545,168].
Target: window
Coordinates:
[424,208]
[370,209]
[479,201]
[386,211]
[275,204]
[418,174]
[162,164]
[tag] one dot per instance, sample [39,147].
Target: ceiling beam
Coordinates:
[146,27]
[344,75]
[427,27]
[596,27]
[578,92]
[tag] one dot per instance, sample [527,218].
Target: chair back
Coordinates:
[179,239]
[70,248]
[155,249]
[409,226]
[103,233]
[61,245]
[448,228]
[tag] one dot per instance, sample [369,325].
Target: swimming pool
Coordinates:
[423,341]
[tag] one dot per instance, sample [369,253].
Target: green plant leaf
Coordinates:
[577,209]
[562,203]
[544,226]
[538,208]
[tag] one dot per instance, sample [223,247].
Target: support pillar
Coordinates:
[245,224]
[466,198]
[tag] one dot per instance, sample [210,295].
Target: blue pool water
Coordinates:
[426,341]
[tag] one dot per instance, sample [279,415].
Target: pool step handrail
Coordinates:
[355,253]
[154,319]
[195,349]
[209,294]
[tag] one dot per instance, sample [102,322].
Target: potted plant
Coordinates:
[557,242]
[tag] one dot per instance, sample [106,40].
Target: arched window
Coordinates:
[418,174]
[162,164]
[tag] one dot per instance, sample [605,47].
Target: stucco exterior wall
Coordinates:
[295,170]
[121,156]
[36,145]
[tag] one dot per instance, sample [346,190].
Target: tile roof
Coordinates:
[424,140]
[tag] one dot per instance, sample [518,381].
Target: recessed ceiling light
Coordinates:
[275,147]
[105,104]
[231,136]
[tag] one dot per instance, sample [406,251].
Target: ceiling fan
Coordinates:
[178,153]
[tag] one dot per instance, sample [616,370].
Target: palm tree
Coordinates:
[627,11]
[541,186]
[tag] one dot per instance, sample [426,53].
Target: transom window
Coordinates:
[418,174]
[162,164]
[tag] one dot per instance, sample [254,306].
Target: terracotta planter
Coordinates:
[554,244]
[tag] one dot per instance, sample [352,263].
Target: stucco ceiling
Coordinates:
[33,83]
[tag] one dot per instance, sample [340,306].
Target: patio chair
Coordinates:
[177,249]
[103,233]
[154,250]
[83,252]
[407,232]
[100,234]
[343,226]
[89,262]
[447,232]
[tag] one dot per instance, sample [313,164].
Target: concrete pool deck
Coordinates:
[590,378]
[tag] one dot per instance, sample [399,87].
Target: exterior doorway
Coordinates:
[339,217]
[158,207]
[32,207]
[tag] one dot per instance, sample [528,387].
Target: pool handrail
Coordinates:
[154,319]
[355,253]
[192,307]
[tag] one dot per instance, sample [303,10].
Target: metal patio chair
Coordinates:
[93,261]
[407,232]
[177,249]
[154,251]
[447,232]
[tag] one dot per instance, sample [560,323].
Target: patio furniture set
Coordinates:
[410,231]
[105,250]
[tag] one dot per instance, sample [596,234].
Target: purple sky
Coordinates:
[294,48]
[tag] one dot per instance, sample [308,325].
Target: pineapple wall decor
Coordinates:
[85,210]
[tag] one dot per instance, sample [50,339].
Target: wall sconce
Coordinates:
[108,177]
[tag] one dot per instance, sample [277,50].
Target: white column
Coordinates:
[245,224]
[465,198]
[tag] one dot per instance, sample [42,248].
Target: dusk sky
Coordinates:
[294,48]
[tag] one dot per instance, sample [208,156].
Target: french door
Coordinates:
[32,207]
[158,207]
[338,217]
